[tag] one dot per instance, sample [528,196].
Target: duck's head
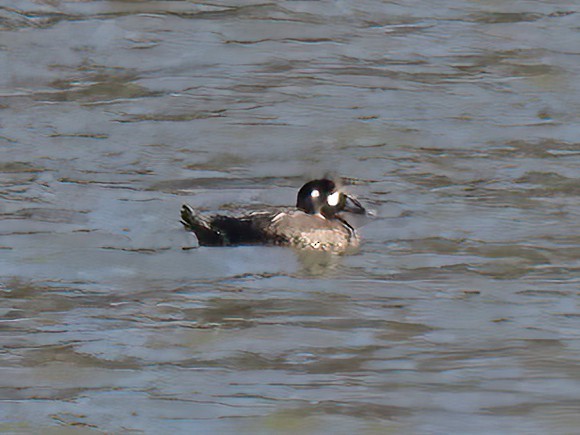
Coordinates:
[325,198]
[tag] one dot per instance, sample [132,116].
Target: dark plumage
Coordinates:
[316,222]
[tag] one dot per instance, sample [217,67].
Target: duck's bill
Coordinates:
[353,206]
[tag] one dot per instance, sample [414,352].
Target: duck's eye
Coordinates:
[333,199]
[315,193]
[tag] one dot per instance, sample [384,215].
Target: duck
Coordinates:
[318,222]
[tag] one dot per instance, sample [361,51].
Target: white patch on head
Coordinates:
[315,193]
[333,199]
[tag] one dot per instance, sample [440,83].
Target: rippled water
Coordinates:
[456,120]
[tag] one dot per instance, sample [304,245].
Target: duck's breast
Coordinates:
[304,230]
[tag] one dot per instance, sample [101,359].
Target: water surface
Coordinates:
[456,120]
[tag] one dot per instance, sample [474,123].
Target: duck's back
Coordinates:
[223,230]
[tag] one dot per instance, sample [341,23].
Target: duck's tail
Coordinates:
[206,233]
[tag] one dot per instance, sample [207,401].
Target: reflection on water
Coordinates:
[456,121]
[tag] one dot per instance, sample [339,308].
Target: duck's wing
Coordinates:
[221,230]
